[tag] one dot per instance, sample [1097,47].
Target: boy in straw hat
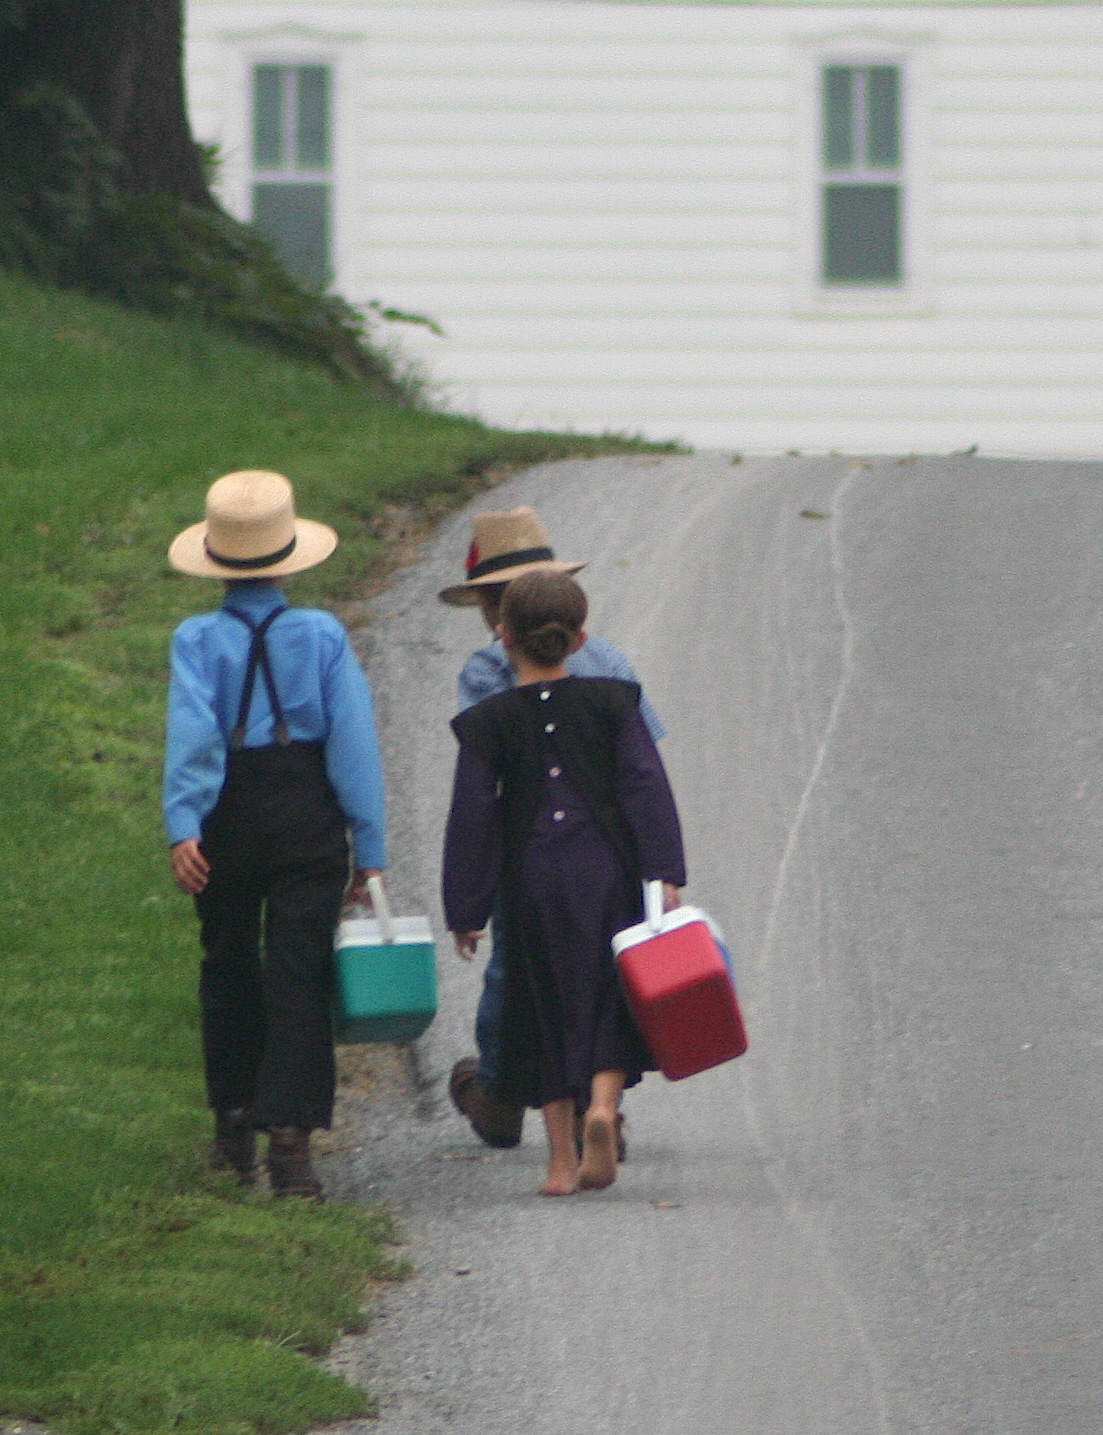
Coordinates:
[264,780]
[504,545]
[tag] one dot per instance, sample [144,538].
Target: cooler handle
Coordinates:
[382,909]
[653,904]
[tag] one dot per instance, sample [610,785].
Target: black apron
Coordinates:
[277,806]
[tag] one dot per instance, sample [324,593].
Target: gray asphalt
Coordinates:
[884,734]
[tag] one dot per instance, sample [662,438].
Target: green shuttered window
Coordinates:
[292,183]
[862,185]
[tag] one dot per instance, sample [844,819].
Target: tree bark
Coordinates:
[102,187]
[123,60]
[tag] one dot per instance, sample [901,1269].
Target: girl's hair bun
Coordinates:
[544,612]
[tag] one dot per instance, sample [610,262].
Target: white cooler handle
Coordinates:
[382,909]
[653,904]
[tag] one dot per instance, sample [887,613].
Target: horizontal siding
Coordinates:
[964,300]
[1022,127]
[515,91]
[968,297]
[577,162]
[564,59]
[716,127]
[561,195]
[1019,164]
[750,435]
[711,264]
[536,230]
[585,20]
[867,400]
[749,369]
[573,334]
[1082,267]
[517,298]
[595,20]
[750,248]
[1036,196]
[205,92]
[1043,56]
[1012,94]
[600,202]
[994,233]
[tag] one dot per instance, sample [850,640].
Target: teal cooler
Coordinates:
[386,977]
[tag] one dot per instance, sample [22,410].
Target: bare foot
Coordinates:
[562,1179]
[599,1151]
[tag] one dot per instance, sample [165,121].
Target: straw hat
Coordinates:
[503,546]
[251,531]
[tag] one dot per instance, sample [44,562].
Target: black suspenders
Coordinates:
[258,657]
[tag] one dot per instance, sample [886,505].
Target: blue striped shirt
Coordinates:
[324,695]
[487,672]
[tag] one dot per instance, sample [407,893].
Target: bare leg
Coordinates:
[599,1132]
[562,1179]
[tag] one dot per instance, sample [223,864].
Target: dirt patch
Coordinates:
[367,1076]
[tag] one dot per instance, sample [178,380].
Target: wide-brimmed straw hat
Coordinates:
[503,546]
[251,531]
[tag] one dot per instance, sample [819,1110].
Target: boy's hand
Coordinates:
[466,943]
[190,869]
[357,894]
[672,898]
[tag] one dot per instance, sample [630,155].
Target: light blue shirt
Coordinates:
[324,695]
[487,672]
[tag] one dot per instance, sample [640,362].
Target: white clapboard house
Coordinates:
[813,226]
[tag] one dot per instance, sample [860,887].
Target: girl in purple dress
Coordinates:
[561,802]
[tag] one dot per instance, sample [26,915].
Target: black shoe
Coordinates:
[234,1147]
[289,1170]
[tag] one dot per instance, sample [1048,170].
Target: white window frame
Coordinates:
[292,45]
[860,50]
[288,173]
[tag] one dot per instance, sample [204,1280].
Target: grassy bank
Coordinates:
[137,1291]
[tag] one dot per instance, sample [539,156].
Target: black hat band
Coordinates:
[510,560]
[245,564]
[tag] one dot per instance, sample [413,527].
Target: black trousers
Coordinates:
[278,851]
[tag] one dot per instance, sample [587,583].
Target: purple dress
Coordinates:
[569,871]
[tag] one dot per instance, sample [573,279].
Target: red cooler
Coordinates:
[677,977]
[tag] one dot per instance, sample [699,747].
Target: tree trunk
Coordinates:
[123,60]
[102,186]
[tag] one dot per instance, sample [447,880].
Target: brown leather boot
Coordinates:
[494,1121]
[235,1144]
[289,1170]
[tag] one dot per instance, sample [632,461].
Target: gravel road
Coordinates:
[883,689]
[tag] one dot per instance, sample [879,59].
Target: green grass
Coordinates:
[138,1292]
